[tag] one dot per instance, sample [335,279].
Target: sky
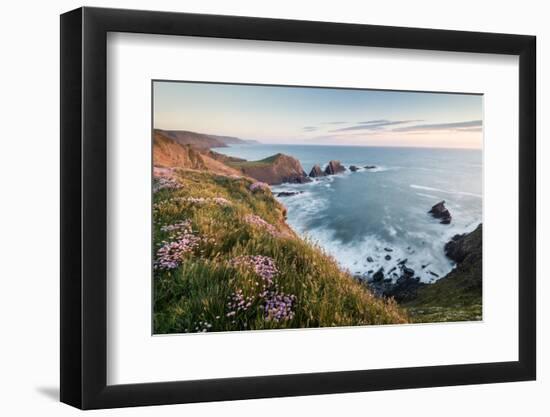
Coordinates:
[320,116]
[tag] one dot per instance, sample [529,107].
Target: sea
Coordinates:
[375,218]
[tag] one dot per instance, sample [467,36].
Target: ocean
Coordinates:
[363,218]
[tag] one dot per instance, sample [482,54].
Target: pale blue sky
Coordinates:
[304,115]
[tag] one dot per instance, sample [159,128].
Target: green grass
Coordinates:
[249,164]
[195,295]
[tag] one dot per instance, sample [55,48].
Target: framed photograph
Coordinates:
[257,208]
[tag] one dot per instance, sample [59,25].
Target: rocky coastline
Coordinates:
[400,282]
[460,286]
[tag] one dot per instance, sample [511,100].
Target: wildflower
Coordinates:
[263,266]
[278,306]
[170,254]
[162,183]
[259,186]
[220,201]
[254,220]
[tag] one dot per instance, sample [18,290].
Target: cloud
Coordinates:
[368,122]
[374,125]
[309,128]
[334,123]
[470,129]
[471,125]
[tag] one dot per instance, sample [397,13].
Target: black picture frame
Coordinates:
[84,207]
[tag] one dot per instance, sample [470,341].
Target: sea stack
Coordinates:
[439,211]
[334,167]
[316,171]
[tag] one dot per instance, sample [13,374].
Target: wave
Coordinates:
[423,187]
[365,257]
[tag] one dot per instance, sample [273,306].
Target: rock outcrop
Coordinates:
[334,167]
[464,247]
[439,211]
[403,289]
[353,168]
[288,193]
[276,169]
[316,172]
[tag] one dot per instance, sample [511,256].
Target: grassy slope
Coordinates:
[457,296]
[197,292]
[262,162]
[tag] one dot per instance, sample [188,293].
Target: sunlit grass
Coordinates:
[196,295]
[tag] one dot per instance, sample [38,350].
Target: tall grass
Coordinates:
[210,291]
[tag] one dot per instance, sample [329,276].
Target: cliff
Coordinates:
[276,169]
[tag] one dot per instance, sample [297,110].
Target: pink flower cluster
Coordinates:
[165,183]
[254,220]
[239,302]
[277,306]
[220,201]
[170,254]
[259,186]
[263,266]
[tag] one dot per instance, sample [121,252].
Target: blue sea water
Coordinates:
[356,215]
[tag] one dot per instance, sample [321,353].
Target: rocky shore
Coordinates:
[458,294]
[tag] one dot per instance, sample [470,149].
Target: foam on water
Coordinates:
[422,187]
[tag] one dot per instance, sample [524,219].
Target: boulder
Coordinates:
[387,257]
[378,275]
[316,172]
[408,272]
[288,193]
[353,168]
[334,167]
[370,166]
[439,211]
[369,259]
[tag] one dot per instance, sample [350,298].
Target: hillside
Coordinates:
[275,169]
[200,140]
[168,153]
[458,295]
[225,259]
